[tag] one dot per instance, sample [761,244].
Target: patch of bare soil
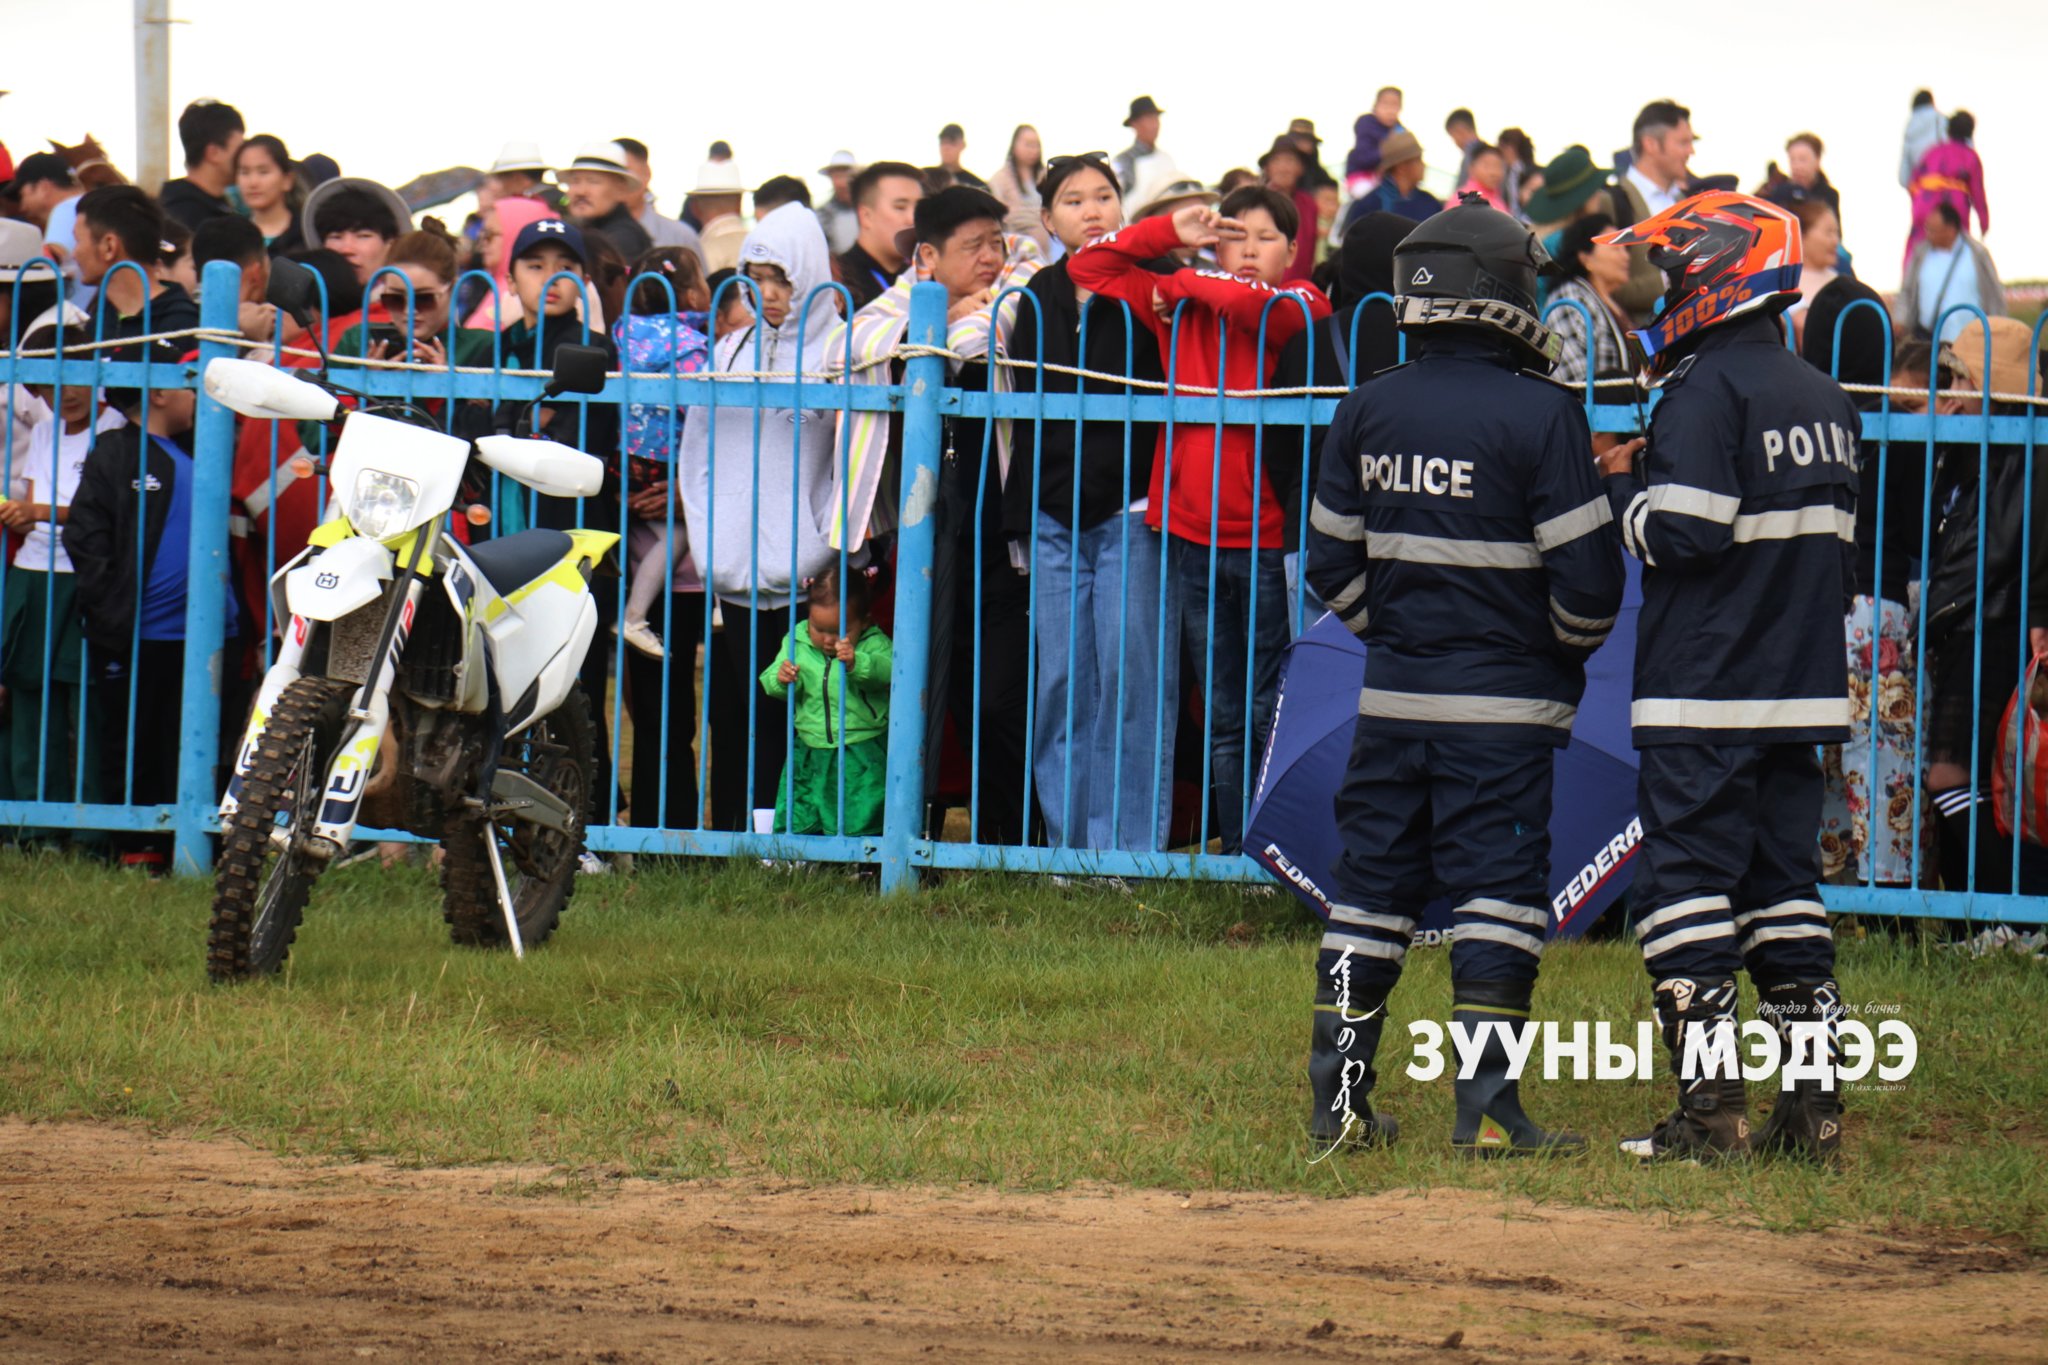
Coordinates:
[118,1245]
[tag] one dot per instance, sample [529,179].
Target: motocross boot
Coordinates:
[1806,1121]
[1712,1118]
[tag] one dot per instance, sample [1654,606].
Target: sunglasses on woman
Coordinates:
[395,300]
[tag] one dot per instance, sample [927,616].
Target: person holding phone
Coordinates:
[412,323]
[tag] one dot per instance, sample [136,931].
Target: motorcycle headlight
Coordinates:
[381,504]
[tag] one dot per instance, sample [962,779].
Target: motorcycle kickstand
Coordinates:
[504,896]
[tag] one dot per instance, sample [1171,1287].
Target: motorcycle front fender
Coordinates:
[336,581]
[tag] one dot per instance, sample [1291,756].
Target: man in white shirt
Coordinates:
[1655,180]
[1949,269]
[1661,151]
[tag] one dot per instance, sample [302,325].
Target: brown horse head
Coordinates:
[88,160]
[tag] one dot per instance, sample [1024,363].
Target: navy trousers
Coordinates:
[1426,817]
[1729,869]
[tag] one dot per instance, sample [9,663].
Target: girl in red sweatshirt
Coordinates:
[1228,606]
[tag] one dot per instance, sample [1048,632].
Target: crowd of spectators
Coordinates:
[1111,600]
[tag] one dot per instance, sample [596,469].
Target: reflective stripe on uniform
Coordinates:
[1785,713]
[1529,943]
[1569,526]
[1507,910]
[1368,919]
[1688,501]
[1334,526]
[1633,523]
[1464,709]
[1463,554]
[1817,520]
[1567,637]
[1349,604]
[1783,910]
[1778,931]
[1367,947]
[1602,624]
[1698,905]
[1678,938]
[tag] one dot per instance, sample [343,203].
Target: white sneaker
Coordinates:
[588,864]
[641,636]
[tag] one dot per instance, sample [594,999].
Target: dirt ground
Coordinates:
[118,1245]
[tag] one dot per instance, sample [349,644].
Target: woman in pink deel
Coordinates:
[1950,173]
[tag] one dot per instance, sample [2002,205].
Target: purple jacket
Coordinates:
[1365,151]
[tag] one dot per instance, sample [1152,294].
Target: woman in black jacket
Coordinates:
[1075,494]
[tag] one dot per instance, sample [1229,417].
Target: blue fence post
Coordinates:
[916,535]
[213,459]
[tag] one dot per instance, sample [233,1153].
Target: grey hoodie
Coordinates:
[740,536]
[1927,127]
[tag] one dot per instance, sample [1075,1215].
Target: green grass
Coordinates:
[730,1020]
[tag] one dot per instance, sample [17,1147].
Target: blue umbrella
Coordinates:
[1594,831]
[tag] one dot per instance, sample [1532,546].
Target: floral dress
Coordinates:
[1853,842]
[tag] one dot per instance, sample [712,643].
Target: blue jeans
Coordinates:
[1122,786]
[1221,630]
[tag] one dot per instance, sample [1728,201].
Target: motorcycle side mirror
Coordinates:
[294,291]
[578,369]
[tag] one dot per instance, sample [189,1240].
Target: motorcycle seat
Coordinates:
[511,562]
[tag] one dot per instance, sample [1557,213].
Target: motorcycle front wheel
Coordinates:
[264,876]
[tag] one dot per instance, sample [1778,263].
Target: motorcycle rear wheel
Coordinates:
[559,752]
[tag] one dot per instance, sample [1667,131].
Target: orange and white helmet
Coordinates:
[1723,255]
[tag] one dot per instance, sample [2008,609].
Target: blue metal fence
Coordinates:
[926,405]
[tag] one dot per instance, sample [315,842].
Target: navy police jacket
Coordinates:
[1744,516]
[1459,529]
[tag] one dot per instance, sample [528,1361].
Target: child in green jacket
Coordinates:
[818,663]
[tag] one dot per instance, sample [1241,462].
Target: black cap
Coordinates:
[41,167]
[939,215]
[1140,107]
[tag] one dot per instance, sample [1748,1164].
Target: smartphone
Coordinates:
[392,337]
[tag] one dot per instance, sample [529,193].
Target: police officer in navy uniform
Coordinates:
[1744,515]
[1460,530]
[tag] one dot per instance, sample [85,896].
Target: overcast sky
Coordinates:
[443,84]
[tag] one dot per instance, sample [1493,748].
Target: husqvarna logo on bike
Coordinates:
[327,580]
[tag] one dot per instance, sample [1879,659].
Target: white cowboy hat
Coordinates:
[20,243]
[842,160]
[520,156]
[608,157]
[719,177]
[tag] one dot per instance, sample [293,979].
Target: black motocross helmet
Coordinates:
[1474,267]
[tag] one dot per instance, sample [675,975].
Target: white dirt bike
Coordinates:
[421,684]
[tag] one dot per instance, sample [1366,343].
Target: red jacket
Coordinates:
[1112,266]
